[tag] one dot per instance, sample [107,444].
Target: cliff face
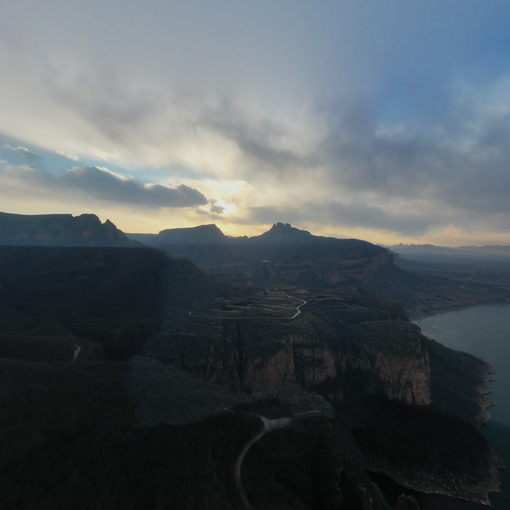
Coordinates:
[282,255]
[406,379]
[312,365]
[368,358]
[59,230]
[327,271]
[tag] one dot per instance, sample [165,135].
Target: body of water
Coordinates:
[483,331]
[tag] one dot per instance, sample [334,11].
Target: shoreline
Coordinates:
[450,489]
[455,308]
[455,486]
[483,389]
[492,483]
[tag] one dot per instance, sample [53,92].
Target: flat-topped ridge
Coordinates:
[59,230]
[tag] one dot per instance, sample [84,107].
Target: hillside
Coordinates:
[173,370]
[110,296]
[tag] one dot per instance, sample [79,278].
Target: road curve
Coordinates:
[268,425]
[76,353]
[296,314]
[298,308]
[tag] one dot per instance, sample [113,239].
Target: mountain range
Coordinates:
[132,378]
[288,255]
[429,252]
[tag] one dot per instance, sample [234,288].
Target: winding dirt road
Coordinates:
[76,353]
[296,314]
[298,308]
[268,425]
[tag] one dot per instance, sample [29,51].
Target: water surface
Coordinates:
[485,332]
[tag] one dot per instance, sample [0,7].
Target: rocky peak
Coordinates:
[285,232]
[90,219]
[112,231]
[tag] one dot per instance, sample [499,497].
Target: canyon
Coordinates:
[169,350]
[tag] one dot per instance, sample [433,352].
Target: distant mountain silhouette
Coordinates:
[285,255]
[282,255]
[280,244]
[430,252]
[200,234]
[284,232]
[59,230]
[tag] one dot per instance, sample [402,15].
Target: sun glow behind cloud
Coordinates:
[348,118]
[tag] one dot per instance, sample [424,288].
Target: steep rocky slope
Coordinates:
[347,341]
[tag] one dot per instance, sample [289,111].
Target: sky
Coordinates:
[386,120]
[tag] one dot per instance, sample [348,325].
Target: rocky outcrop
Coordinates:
[376,358]
[284,232]
[484,388]
[406,379]
[268,375]
[324,272]
[59,230]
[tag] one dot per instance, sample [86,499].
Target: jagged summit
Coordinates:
[201,234]
[285,232]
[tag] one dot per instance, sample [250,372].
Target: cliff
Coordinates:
[394,388]
[59,230]
[377,353]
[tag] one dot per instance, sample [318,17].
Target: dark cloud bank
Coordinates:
[101,184]
[106,186]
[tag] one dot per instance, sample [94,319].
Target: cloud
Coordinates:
[351,215]
[98,184]
[30,157]
[267,144]
[215,208]
[344,118]
[460,162]
[72,157]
